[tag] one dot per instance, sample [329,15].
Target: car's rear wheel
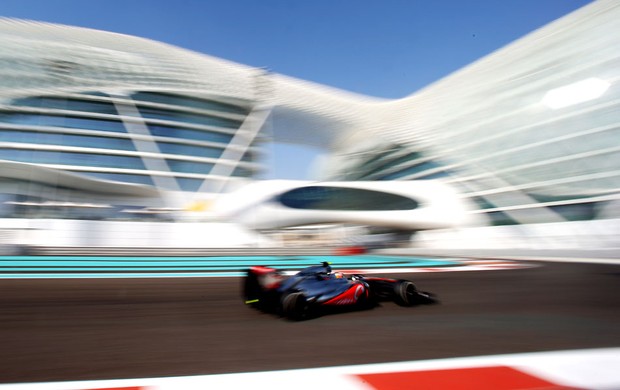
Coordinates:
[295,306]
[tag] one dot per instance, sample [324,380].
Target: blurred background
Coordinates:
[110,140]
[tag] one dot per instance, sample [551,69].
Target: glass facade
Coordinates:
[48,130]
[122,109]
[66,139]
[184,117]
[185,101]
[62,121]
[69,104]
[529,134]
[344,199]
[190,134]
[392,162]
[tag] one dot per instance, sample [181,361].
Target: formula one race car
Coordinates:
[317,289]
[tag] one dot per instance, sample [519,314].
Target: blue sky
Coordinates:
[388,48]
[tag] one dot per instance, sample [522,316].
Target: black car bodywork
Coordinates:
[317,289]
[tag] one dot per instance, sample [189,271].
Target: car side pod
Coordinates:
[356,294]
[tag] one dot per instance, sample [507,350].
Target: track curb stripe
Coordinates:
[575,369]
[481,378]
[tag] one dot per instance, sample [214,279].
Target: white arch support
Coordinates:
[146,143]
[236,148]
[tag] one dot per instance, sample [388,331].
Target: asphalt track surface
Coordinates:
[81,329]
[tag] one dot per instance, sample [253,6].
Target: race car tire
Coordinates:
[405,293]
[295,306]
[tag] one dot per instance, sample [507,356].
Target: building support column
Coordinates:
[236,149]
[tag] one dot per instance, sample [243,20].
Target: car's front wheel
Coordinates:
[405,293]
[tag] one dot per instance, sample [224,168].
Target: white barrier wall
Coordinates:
[598,234]
[82,233]
[14,233]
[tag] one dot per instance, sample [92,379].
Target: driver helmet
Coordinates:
[338,275]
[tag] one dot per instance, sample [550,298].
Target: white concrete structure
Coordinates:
[400,205]
[529,133]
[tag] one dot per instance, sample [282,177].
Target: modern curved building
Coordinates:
[528,134]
